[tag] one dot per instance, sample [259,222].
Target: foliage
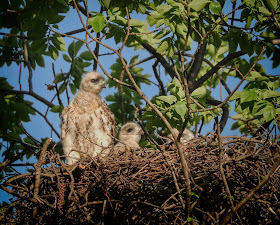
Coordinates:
[191,47]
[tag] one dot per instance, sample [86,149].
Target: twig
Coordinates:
[38,175]
[47,121]
[55,85]
[165,158]
[33,94]
[274,168]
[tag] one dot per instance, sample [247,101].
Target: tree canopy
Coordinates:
[190,48]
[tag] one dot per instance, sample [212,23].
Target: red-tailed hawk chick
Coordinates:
[88,125]
[186,136]
[129,136]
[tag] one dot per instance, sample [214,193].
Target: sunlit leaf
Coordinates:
[216,8]
[168,99]
[198,5]
[98,22]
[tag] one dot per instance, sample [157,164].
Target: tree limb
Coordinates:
[160,58]
[215,69]
[33,94]
[225,113]
[196,65]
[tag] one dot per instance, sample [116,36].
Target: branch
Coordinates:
[33,94]
[221,154]
[215,69]
[162,89]
[219,76]
[38,168]
[55,85]
[17,157]
[160,58]
[170,166]
[46,119]
[196,65]
[225,113]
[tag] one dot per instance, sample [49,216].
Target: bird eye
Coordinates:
[129,130]
[93,80]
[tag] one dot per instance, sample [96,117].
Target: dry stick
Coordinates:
[72,183]
[38,174]
[19,77]
[221,154]
[165,158]
[121,98]
[55,85]
[273,170]
[15,158]
[18,195]
[276,21]
[206,213]
[96,50]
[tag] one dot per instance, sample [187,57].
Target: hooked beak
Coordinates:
[103,85]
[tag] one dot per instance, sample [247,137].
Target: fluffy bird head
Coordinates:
[130,132]
[186,136]
[93,82]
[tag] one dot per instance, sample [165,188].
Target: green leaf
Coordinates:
[106,3]
[269,94]
[66,58]
[198,5]
[250,2]
[73,88]
[136,23]
[141,8]
[163,45]
[235,95]
[264,109]
[74,47]
[53,52]
[190,219]
[216,8]
[194,194]
[264,11]
[199,93]
[98,22]
[40,60]
[181,109]
[248,95]
[57,109]
[86,55]
[253,76]
[168,99]
[62,88]
[62,2]
[58,42]
[134,59]
[273,4]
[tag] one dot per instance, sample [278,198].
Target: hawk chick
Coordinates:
[88,125]
[129,136]
[186,136]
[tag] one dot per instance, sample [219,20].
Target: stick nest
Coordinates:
[137,187]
